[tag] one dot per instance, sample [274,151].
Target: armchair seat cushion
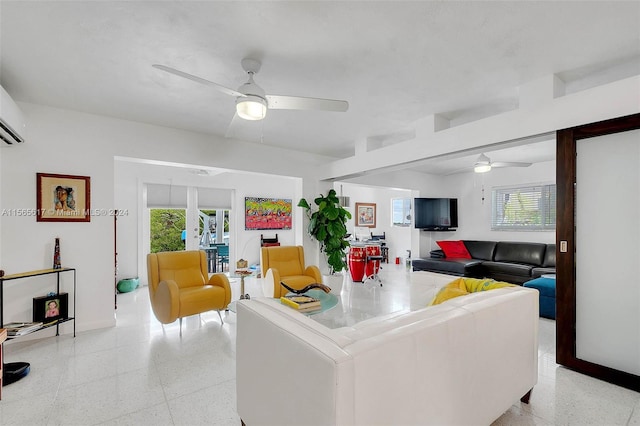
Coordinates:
[298,281]
[194,300]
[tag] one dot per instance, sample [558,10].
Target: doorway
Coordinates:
[167,229]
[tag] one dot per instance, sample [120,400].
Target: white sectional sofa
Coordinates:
[464,362]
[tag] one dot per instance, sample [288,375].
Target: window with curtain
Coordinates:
[524,208]
[401,211]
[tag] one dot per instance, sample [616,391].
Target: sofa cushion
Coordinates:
[437,254]
[510,272]
[454,249]
[527,253]
[538,272]
[482,250]
[550,256]
[466,267]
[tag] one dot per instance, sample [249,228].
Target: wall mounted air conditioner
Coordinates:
[12,123]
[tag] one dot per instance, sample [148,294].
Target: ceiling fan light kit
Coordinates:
[483,164]
[251,107]
[482,168]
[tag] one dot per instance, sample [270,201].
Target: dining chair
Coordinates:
[223,257]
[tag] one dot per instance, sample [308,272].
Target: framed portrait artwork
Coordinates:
[51,308]
[366,214]
[63,198]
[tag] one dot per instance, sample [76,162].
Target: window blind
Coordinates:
[214,198]
[526,208]
[166,196]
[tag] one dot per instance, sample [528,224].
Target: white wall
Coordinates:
[68,142]
[59,143]
[398,184]
[133,238]
[1,207]
[398,239]
[474,216]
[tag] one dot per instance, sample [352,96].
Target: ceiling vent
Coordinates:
[12,124]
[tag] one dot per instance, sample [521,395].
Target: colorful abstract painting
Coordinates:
[267,213]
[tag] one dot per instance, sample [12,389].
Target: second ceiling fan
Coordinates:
[252,102]
[483,164]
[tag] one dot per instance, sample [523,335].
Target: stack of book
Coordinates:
[301,303]
[15,329]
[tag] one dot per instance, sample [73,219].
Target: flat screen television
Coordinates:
[436,214]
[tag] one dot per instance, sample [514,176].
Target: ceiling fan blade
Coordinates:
[197,79]
[232,128]
[510,164]
[246,130]
[297,102]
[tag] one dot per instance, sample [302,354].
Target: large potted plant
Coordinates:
[328,225]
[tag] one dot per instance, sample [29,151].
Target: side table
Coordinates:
[242,274]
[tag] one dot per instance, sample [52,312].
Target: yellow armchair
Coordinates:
[286,264]
[179,286]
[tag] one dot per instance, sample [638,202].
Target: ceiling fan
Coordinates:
[483,164]
[252,102]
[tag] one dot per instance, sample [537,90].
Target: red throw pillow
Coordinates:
[454,249]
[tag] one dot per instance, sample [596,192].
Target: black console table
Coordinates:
[14,371]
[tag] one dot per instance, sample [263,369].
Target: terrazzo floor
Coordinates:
[140,373]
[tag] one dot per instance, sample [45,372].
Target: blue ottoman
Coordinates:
[547,289]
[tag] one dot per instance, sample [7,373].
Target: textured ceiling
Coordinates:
[394,62]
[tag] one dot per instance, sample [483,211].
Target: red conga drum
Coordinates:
[372,266]
[357,257]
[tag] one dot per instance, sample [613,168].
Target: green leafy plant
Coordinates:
[328,225]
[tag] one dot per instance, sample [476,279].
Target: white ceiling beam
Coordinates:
[431,124]
[537,92]
[616,99]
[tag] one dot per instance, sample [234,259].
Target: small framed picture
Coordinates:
[366,214]
[50,308]
[63,198]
